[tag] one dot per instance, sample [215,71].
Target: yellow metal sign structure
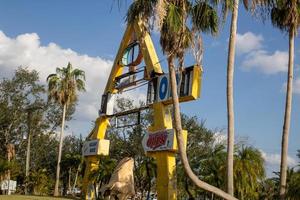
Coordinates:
[166,164]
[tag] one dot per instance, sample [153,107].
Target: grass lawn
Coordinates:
[23,197]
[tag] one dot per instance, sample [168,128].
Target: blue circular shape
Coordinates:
[163,88]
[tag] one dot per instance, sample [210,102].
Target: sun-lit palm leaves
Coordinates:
[248,171]
[63,86]
[171,17]
[204,18]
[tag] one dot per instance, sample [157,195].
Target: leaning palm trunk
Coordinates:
[230,110]
[180,141]
[76,177]
[56,191]
[287,117]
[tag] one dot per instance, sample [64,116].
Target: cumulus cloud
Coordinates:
[274,159]
[26,50]
[248,42]
[256,57]
[220,138]
[296,86]
[266,62]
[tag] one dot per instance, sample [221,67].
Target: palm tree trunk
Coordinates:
[9,153]
[56,191]
[28,152]
[69,180]
[181,147]
[76,177]
[149,180]
[287,117]
[230,110]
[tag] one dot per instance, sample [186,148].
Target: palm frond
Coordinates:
[140,9]
[63,86]
[205,18]
[78,74]
[174,17]
[50,76]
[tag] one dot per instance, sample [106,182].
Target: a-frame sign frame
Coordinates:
[166,163]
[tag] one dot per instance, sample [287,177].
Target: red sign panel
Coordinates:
[159,141]
[156,140]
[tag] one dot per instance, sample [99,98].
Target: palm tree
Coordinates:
[233,5]
[175,37]
[286,16]
[248,172]
[62,88]
[229,90]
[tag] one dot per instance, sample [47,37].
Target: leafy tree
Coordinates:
[62,88]
[293,184]
[102,174]
[72,161]
[207,158]
[16,95]
[268,189]
[248,172]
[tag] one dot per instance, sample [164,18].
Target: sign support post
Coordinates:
[161,131]
[91,161]
[166,160]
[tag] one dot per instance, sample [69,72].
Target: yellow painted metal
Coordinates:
[98,132]
[196,87]
[87,186]
[148,50]
[196,83]
[117,68]
[184,134]
[152,65]
[101,125]
[166,175]
[166,160]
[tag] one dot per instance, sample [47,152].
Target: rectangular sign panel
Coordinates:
[8,184]
[95,147]
[163,140]
[188,84]
[159,141]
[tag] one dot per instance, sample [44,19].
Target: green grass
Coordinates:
[23,197]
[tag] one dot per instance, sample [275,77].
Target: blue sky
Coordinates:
[44,35]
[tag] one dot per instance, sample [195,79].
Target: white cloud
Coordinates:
[26,50]
[220,138]
[251,45]
[266,62]
[274,159]
[297,86]
[248,42]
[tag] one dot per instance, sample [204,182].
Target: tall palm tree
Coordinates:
[174,38]
[286,16]
[229,94]
[233,5]
[62,88]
